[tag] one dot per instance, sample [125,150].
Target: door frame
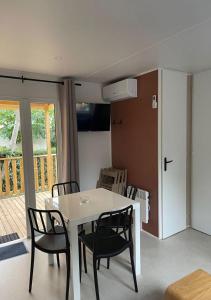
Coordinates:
[160,161]
[27,146]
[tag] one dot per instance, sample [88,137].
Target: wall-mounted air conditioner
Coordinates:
[120,90]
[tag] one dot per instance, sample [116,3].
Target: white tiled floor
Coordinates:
[162,263]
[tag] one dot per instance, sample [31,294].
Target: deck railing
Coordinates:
[12,174]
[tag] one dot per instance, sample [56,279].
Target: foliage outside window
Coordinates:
[7,123]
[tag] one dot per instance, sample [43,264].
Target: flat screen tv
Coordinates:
[93,117]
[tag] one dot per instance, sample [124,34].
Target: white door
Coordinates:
[174,149]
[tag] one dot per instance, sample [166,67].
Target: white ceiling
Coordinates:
[101,40]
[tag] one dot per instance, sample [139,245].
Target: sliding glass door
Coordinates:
[12,198]
[27,162]
[44,150]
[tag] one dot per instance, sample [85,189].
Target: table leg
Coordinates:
[137,239]
[74,264]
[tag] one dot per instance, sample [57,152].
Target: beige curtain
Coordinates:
[67,153]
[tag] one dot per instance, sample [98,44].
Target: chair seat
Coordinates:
[52,243]
[103,247]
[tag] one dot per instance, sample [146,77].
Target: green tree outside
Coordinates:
[7,122]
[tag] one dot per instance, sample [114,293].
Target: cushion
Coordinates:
[195,286]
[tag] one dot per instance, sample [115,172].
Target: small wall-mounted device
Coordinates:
[154,102]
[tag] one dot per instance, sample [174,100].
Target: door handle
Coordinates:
[166,162]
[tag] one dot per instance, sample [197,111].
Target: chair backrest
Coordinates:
[131,191]
[64,188]
[43,222]
[123,222]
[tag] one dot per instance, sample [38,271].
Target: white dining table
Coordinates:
[83,207]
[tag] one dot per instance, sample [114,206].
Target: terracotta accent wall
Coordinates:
[135,141]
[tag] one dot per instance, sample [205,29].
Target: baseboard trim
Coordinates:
[148,233]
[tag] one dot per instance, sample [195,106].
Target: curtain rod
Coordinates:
[22,78]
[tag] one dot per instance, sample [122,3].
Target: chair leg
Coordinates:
[95,277]
[68,275]
[84,257]
[108,262]
[133,269]
[31,268]
[98,264]
[80,263]
[58,261]
[93,226]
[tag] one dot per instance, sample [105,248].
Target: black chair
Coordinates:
[130,192]
[106,242]
[54,240]
[64,188]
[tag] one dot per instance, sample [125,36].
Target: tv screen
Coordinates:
[93,117]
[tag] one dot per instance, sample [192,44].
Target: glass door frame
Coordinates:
[27,147]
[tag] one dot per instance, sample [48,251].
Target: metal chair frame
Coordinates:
[67,188]
[105,234]
[41,226]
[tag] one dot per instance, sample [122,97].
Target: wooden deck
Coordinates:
[13,214]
